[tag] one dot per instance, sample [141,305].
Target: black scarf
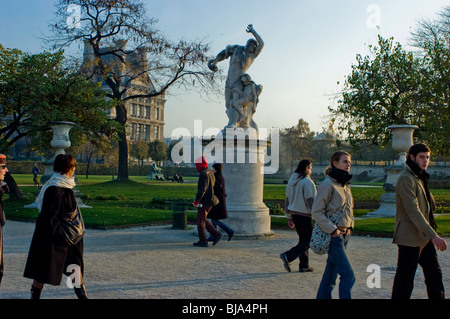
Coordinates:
[340,175]
[424,177]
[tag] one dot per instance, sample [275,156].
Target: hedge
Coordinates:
[25,167]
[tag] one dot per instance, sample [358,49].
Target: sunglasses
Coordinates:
[2,166]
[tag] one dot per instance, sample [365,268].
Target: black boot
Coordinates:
[81,292]
[35,292]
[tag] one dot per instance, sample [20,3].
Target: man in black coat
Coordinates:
[204,201]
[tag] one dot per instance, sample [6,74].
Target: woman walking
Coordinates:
[3,189]
[49,257]
[220,210]
[334,196]
[300,194]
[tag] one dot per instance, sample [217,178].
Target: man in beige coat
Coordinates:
[415,229]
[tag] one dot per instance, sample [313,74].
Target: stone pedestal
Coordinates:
[243,170]
[402,140]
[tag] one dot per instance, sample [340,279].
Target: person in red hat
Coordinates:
[204,201]
[3,189]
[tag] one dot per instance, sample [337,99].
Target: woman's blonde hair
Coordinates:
[335,158]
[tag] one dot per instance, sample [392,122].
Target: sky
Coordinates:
[310,46]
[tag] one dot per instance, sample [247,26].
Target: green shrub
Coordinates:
[275,208]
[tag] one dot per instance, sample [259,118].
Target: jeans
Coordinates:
[226,228]
[337,263]
[303,226]
[408,259]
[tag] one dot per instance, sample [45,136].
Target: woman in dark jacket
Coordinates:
[220,210]
[48,257]
[3,189]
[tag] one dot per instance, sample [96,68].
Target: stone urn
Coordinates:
[59,143]
[61,139]
[402,139]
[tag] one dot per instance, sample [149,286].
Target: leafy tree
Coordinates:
[394,86]
[380,91]
[140,150]
[36,89]
[104,26]
[157,150]
[296,143]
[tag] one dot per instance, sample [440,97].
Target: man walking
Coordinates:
[35,172]
[415,229]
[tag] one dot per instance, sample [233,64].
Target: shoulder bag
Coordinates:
[320,240]
[71,227]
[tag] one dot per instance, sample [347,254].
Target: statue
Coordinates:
[155,172]
[241,58]
[245,99]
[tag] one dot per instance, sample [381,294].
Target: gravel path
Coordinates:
[159,262]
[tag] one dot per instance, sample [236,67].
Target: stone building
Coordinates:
[145,116]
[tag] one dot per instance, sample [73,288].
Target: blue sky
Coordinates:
[309,47]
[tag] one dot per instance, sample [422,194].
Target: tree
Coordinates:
[323,145]
[106,26]
[432,37]
[296,142]
[381,90]
[36,89]
[399,87]
[110,156]
[140,150]
[88,151]
[157,150]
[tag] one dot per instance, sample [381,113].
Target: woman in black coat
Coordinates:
[49,258]
[220,210]
[3,189]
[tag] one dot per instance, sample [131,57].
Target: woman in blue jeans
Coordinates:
[333,195]
[219,211]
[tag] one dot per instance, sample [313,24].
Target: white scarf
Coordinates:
[57,179]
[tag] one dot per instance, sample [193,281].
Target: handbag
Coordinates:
[320,240]
[71,227]
[215,200]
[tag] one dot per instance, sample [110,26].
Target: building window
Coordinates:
[147,112]
[139,131]
[147,132]
[156,132]
[156,113]
[134,110]
[133,131]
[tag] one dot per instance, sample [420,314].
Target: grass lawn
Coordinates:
[144,201]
